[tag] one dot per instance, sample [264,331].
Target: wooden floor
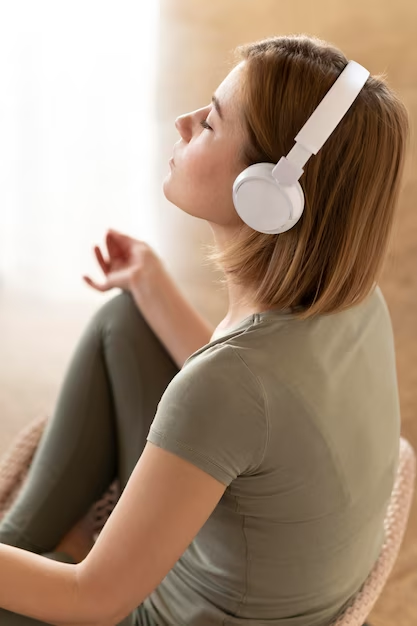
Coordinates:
[196,37]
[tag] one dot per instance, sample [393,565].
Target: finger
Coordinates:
[117,233]
[124,241]
[92,283]
[95,285]
[112,242]
[117,247]
[105,265]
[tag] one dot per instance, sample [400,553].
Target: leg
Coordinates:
[108,400]
[98,430]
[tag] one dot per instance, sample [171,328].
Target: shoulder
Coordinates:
[379,302]
[213,413]
[216,358]
[218,369]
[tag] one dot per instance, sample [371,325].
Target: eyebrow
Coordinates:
[217,106]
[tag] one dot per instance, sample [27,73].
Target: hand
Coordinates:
[128,260]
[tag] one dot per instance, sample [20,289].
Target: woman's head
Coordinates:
[208,156]
[332,257]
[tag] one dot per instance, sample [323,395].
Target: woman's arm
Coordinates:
[177,324]
[44,589]
[164,505]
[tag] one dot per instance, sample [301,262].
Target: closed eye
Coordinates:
[205,125]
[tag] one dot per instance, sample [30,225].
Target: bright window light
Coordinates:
[78,134]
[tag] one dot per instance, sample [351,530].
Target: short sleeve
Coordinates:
[212,414]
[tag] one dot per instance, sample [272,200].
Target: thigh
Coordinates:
[139,369]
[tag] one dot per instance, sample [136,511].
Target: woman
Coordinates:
[256,459]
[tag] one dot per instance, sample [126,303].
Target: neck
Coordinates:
[241,304]
[241,300]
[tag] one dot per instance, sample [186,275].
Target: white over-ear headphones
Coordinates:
[268,196]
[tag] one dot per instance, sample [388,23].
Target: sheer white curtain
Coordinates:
[77,135]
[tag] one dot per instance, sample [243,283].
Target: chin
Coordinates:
[193,206]
[182,203]
[165,186]
[169,192]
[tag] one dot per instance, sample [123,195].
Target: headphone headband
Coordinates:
[333,107]
[322,122]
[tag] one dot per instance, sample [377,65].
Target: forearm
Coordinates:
[177,324]
[42,588]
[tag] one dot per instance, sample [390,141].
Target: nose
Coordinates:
[183,126]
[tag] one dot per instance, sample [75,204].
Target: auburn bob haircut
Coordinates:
[332,258]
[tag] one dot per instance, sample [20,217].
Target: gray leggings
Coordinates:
[98,430]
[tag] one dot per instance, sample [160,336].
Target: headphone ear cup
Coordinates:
[296,194]
[262,203]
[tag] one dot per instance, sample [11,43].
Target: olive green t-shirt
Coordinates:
[301,421]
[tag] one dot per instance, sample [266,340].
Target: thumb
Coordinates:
[92,283]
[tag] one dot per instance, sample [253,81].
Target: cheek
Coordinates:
[204,166]
[201,184]
[210,176]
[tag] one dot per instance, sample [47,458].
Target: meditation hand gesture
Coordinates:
[129,260]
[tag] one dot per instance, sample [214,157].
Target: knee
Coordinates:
[119,316]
